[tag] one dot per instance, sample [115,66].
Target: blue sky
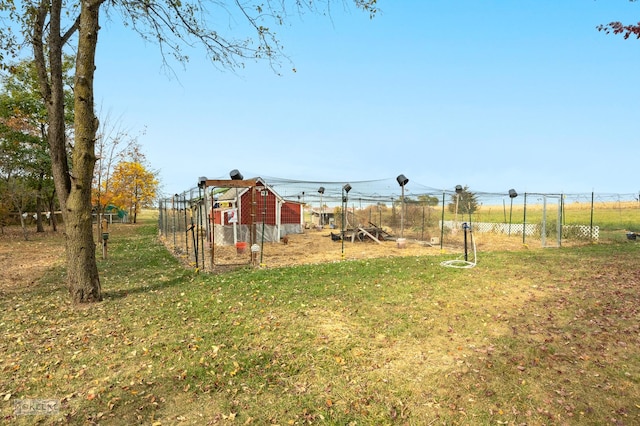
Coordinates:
[491,94]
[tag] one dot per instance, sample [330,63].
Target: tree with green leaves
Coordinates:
[463,202]
[23,128]
[52,27]
[428,200]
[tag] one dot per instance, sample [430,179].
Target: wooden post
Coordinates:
[105,237]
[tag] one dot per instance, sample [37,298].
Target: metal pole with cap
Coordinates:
[402,181]
[345,190]
[512,194]
[321,220]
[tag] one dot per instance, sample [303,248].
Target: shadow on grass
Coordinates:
[53,281]
[146,288]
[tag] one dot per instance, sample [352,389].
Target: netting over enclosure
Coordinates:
[262,221]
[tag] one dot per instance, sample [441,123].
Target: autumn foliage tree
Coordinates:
[620,28]
[617,27]
[114,143]
[133,187]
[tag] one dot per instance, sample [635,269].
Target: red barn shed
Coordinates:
[237,213]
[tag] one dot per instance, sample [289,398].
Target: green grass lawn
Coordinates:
[526,337]
[607,216]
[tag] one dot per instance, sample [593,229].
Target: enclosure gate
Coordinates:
[546,230]
[248,235]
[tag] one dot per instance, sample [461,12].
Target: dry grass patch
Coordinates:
[24,262]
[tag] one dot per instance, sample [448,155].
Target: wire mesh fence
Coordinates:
[217,226]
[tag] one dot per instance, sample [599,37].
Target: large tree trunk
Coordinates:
[74,189]
[82,270]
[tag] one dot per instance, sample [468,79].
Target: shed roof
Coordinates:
[230,194]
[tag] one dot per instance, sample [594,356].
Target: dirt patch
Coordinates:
[316,246]
[23,262]
[311,247]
